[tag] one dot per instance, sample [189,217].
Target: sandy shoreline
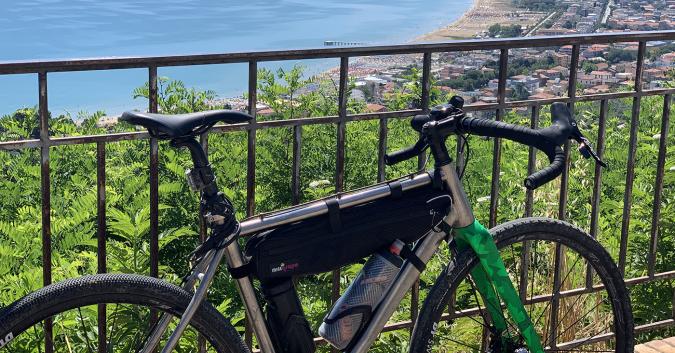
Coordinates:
[481,15]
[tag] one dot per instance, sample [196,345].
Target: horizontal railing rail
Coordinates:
[43,68]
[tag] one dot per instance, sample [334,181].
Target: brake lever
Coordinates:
[585,147]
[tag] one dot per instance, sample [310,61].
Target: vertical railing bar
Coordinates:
[153,105]
[340,159]
[425,101]
[497,148]
[101,238]
[297,149]
[341,126]
[382,149]
[251,164]
[154,179]
[572,94]
[204,142]
[597,185]
[531,163]
[426,82]
[529,204]
[658,184]
[251,143]
[630,164]
[562,205]
[555,301]
[421,162]
[46,198]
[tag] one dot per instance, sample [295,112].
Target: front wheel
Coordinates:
[112,312]
[570,287]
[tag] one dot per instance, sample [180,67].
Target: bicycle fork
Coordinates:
[469,233]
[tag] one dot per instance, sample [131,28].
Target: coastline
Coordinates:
[482,15]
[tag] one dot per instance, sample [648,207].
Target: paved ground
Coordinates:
[659,346]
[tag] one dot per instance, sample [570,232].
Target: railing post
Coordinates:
[251,163]
[154,179]
[630,164]
[572,94]
[382,149]
[101,239]
[297,151]
[204,142]
[46,198]
[529,205]
[597,185]
[497,148]
[658,185]
[251,131]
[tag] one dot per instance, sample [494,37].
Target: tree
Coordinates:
[520,92]
[494,30]
[588,67]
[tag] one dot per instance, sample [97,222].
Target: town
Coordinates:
[533,73]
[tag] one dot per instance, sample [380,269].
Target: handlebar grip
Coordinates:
[549,173]
[400,156]
[406,153]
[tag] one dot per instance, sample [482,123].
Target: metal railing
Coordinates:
[43,68]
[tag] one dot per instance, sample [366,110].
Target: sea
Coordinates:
[66,29]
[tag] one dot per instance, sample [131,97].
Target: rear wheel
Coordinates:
[573,292]
[76,311]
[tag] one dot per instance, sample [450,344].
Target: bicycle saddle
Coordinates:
[169,126]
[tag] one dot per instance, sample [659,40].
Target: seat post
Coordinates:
[198,156]
[201,164]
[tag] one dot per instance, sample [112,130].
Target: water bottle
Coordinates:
[352,311]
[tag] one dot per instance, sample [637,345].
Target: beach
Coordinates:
[483,14]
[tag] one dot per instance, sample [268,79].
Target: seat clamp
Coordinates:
[199,178]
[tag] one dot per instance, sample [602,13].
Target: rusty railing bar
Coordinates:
[572,94]
[341,124]
[658,185]
[251,143]
[421,162]
[251,129]
[101,238]
[497,148]
[340,158]
[630,164]
[204,142]
[382,149]
[401,114]
[297,151]
[154,177]
[597,184]
[529,205]
[562,204]
[43,110]
[319,53]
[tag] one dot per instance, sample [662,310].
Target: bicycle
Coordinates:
[474,305]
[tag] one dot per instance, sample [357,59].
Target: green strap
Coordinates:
[492,272]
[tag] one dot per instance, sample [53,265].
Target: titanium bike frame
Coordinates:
[469,235]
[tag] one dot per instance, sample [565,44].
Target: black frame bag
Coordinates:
[344,236]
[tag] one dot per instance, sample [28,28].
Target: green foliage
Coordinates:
[470,80]
[536,5]
[497,30]
[617,55]
[588,67]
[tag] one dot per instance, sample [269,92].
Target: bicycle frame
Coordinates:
[469,234]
